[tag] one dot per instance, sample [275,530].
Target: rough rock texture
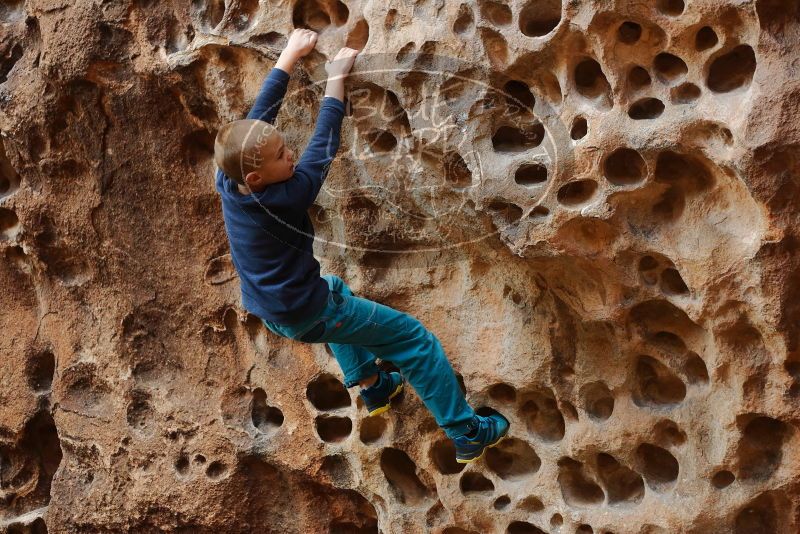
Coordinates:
[594,205]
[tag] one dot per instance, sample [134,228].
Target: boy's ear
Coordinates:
[252,178]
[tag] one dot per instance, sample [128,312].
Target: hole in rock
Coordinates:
[319,14]
[668,342]
[523,527]
[456,171]
[8,223]
[209,12]
[381,141]
[531,174]
[495,46]
[139,411]
[590,80]
[622,484]
[12,11]
[684,171]
[656,385]
[358,36]
[629,32]
[669,67]
[501,503]
[336,468]
[597,400]
[372,428]
[775,15]
[539,212]
[199,459]
[39,370]
[518,95]
[539,17]
[512,139]
[659,466]
[577,489]
[542,417]
[274,39]
[508,212]
[638,77]
[670,205]
[182,464]
[705,38]
[761,448]
[496,13]
[648,263]
[265,417]
[405,52]
[503,393]
[733,70]
[556,521]
[550,87]
[576,193]
[531,504]
[401,473]
[624,166]
[685,93]
[475,483]
[37,526]
[443,454]
[569,410]
[216,470]
[333,429]
[722,479]
[244,15]
[9,178]
[512,459]
[758,517]
[390,22]
[325,392]
[672,283]
[579,129]
[695,369]
[584,529]
[671,7]
[646,109]
[464,20]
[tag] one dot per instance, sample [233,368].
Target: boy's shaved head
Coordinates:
[239,147]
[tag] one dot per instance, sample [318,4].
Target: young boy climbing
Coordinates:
[265,201]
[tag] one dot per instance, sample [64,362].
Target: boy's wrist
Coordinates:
[287,60]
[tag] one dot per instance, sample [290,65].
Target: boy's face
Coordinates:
[277,164]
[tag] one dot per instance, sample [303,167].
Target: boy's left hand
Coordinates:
[301,42]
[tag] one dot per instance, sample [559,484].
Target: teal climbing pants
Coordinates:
[359,330]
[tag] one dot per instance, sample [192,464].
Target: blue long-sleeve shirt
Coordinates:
[270,232]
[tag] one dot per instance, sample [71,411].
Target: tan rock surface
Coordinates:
[592,204]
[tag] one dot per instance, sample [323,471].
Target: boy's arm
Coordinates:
[312,168]
[270,96]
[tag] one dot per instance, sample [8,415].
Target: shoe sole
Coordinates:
[385,407]
[489,446]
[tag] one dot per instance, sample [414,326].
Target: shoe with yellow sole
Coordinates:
[486,431]
[376,397]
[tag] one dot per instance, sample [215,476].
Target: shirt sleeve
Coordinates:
[270,97]
[313,166]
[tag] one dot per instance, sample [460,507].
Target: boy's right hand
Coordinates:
[340,66]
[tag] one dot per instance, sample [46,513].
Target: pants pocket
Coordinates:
[313,334]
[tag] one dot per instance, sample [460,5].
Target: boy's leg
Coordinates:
[402,340]
[356,362]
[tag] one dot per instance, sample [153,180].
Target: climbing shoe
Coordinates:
[377,396]
[486,432]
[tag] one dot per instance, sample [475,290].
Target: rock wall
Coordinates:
[593,204]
